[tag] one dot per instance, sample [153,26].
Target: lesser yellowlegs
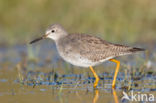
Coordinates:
[85,50]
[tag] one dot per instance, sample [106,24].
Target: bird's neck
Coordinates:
[61,37]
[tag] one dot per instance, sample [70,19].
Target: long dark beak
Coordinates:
[38,39]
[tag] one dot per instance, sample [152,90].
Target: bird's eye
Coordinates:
[53,31]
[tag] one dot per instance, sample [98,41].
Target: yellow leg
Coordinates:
[95,75]
[116,71]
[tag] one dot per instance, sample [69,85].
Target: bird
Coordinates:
[86,50]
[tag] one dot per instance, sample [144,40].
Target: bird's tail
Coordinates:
[125,50]
[134,49]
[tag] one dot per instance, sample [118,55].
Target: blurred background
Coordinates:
[35,71]
[115,20]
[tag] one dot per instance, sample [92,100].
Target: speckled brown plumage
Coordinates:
[93,48]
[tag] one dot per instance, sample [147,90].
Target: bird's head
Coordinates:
[54,32]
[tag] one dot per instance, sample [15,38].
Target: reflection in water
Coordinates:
[115,96]
[96,95]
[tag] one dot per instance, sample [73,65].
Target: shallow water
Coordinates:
[11,90]
[37,74]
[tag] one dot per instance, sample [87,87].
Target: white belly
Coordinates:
[78,60]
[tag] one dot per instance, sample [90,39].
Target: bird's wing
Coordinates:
[94,48]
